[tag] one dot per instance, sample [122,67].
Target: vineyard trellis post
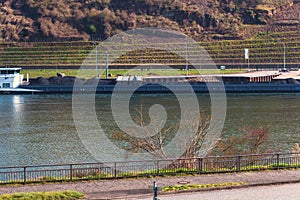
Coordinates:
[284,67]
[186,59]
[106,65]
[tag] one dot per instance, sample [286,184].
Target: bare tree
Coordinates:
[153,141]
[252,140]
[198,138]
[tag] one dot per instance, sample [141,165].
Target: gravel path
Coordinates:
[139,188]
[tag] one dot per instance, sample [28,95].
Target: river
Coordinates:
[39,129]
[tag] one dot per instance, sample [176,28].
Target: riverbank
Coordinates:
[141,187]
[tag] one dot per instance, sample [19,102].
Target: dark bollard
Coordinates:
[155,191]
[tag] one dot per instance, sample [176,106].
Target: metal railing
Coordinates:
[146,168]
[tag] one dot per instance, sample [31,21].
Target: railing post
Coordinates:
[115,170]
[238,163]
[25,176]
[157,167]
[71,172]
[277,161]
[200,166]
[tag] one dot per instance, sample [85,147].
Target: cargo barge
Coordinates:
[253,82]
[168,88]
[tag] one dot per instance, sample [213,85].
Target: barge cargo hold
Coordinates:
[253,82]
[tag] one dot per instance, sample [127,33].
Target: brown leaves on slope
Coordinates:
[13,26]
[59,29]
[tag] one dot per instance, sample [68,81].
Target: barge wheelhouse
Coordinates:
[10,78]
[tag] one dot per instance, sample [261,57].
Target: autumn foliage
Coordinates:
[30,20]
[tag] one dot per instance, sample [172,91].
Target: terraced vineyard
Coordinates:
[266,50]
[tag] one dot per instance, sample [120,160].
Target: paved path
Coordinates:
[273,192]
[139,188]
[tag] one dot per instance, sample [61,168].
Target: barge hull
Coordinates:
[164,88]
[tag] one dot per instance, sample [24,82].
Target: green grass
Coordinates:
[92,72]
[66,195]
[53,72]
[199,186]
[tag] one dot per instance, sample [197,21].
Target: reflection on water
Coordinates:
[39,129]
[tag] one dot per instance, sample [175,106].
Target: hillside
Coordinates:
[69,20]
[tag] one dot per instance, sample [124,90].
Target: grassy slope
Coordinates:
[264,48]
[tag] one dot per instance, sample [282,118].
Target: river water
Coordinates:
[39,129]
